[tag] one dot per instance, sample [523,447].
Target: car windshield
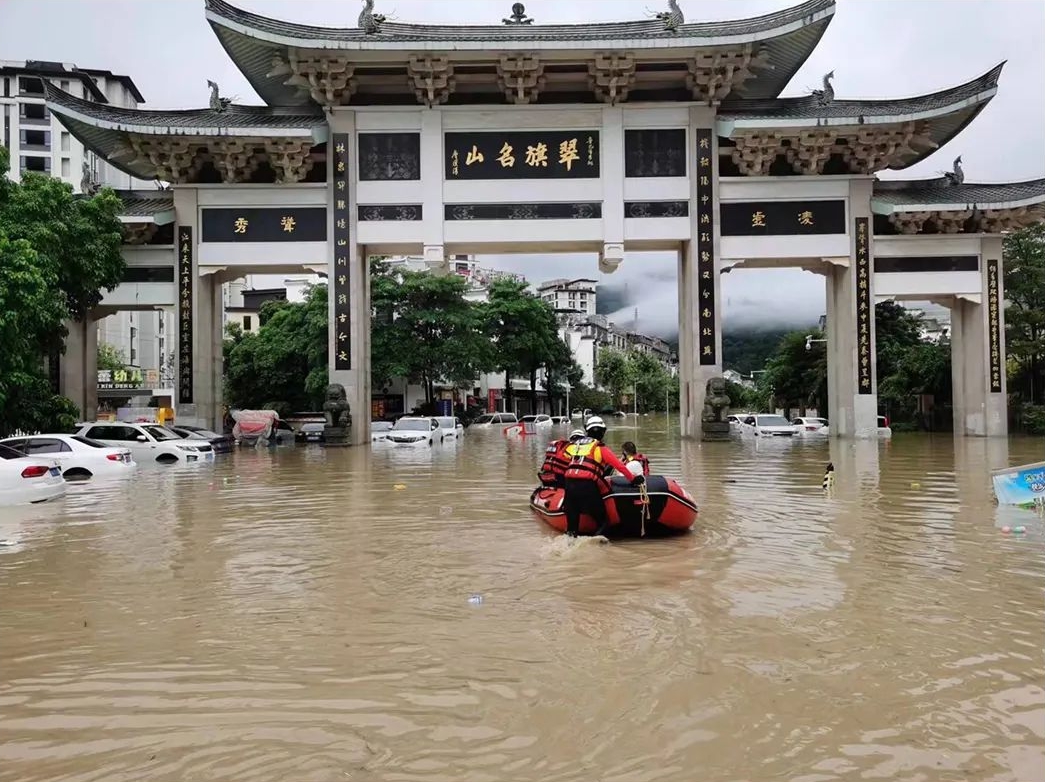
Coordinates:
[161,433]
[445,423]
[412,425]
[88,441]
[380,426]
[529,418]
[312,427]
[484,419]
[772,420]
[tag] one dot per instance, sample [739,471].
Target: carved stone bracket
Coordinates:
[909,222]
[713,76]
[521,77]
[997,220]
[432,79]
[611,76]
[327,77]
[138,233]
[289,158]
[236,159]
[175,159]
[611,257]
[864,150]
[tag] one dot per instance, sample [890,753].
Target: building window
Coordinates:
[30,85]
[34,163]
[246,322]
[66,168]
[64,85]
[36,138]
[65,141]
[33,111]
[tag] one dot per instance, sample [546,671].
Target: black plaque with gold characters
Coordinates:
[994,325]
[705,240]
[864,308]
[782,218]
[186,272]
[340,279]
[524,154]
[264,224]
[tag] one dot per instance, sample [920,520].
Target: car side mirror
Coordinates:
[142,438]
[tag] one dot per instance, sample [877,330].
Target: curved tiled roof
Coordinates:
[978,90]
[104,129]
[906,195]
[252,40]
[146,206]
[945,113]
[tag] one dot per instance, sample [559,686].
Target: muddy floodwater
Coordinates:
[311,615]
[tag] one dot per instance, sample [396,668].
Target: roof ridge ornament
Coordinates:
[368,21]
[825,96]
[957,176]
[518,15]
[673,18]
[217,103]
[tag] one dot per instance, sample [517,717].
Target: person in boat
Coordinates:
[553,471]
[586,477]
[636,463]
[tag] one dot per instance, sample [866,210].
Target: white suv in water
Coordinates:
[148,442]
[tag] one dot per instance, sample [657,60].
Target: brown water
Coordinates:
[305,615]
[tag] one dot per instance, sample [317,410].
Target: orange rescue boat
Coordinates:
[665,508]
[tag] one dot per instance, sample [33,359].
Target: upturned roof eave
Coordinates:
[248,46]
[727,126]
[883,206]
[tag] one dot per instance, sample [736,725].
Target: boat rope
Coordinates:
[644,496]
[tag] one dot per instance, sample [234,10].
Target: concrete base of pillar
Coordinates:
[714,431]
[78,368]
[336,436]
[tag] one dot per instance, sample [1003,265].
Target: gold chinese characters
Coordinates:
[240,225]
[287,223]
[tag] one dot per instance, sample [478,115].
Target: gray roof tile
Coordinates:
[145,203]
[252,117]
[939,191]
[806,105]
[592,31]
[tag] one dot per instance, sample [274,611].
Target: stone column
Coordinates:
[978,379]
[700,275]
[348,278]
[78,367]
[852,386]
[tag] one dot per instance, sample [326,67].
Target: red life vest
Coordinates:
[553,470]
[586,462]
[641,460]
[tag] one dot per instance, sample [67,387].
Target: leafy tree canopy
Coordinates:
[58,254]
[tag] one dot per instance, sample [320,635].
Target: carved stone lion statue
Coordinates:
[336,406]
[716,402]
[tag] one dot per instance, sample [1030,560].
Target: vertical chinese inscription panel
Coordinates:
[864,310]
[186,273]
[994,325]
[705,241]
[341,275]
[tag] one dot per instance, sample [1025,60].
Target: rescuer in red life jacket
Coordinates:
[586,479]
[635,461]
[553,471]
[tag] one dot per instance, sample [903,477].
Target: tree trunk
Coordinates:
[507,391]
[533,391]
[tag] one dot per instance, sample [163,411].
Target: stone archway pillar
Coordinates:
[852,385]
[78,367]
[348,278]
[700,278]
[978,381]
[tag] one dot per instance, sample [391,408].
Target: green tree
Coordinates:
[797,377]
[652,381]
[110,357]
[615,371]
[524,332]
[1025,316]
[896,330]
[560,370]
[284,364]
[58,253]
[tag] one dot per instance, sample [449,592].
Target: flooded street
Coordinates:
[315,615]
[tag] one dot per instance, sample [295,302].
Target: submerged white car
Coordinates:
[25,479]
[450,427]
[79,457]
[809,426]
[148,442]
[767,425]
[415,431]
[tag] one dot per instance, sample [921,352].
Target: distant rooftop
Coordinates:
[85,76]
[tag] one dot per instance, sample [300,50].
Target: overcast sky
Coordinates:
[877,49]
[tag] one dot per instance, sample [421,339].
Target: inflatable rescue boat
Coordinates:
[665,508]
